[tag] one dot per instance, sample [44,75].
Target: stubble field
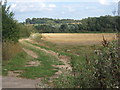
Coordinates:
[78,38]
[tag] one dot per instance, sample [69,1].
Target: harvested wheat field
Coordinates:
[77,38]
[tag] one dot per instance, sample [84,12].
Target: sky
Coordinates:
[61,9]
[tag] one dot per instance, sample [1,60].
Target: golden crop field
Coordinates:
[77,38]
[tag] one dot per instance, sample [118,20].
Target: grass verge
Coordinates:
[45,69]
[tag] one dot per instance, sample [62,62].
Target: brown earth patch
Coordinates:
[16,73]
[31,53]
[41,44]
[32,63]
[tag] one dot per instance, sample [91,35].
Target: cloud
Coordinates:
[91,7]
[31,6]
[13,5]
[25,0]
[104,2]
[42,5]
[62,12]
[69,8]
[52,5]
[107,2]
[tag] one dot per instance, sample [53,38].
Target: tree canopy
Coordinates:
[90,24]
[10,29]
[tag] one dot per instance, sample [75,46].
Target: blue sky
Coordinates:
[72,9]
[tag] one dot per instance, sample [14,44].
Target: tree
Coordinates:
[28,21]
[63,27]
[10,29]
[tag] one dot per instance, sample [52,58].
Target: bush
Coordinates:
[107,67]
[25,31]
[102,71]
[36,37]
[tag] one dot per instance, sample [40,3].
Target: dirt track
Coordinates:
[15,82]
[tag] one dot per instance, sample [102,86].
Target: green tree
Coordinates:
[63,27]
[28,21]
[10,30]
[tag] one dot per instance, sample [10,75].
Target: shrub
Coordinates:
[25,31]
[107,67]
[102,71]
[36,37]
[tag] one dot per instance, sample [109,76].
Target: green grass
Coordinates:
[45,69]
[54,48]
[78,61]
[78,54]
[16,63]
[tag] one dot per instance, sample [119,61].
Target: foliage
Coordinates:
[10,30]
[49,21]
[108,67]
[25,31]
[44,69]
[93,66]
[90,24]
[65,80]
[100,71]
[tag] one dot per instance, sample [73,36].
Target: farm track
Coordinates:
[61,58]
[12,81]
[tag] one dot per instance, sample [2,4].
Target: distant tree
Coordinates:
[63,27]
[90,24]
[28,21]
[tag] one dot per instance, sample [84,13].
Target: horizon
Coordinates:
[76,10]
[66,18]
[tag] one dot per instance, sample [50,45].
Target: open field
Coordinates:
[85,59]
[77,38]
[57,65]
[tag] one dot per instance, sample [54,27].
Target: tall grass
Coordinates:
[10,49]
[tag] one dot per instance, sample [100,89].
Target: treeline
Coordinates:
[49,21]
[90,24]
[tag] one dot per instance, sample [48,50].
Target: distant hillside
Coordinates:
[90,24]
[49,21]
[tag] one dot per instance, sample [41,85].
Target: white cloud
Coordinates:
[13,5]
[69,8]
[107,2]
[31,6]
[25,0]
[60,0]
[92,7]
[63,12]
[104,2]
[22,10]
[52,5]
[42,5]
[116,1]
